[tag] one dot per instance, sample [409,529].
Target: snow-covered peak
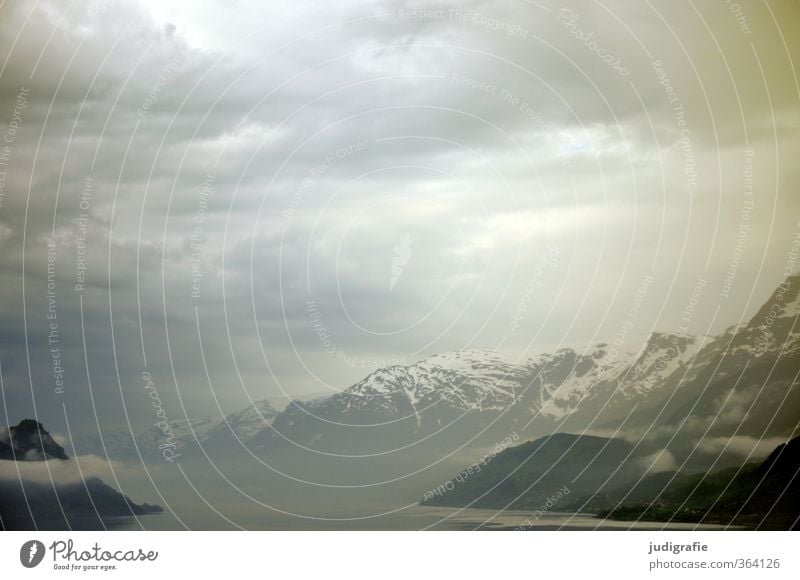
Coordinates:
[249,421]
[259,410]
[476,364]
[466,360]
[567,377]
[662,355]
[468,380]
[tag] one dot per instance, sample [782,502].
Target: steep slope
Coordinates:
[444,400]
[243,425]
[580,390]
[744,382]
[525,476]
[29,441]
[476,380]
[54,505]
[477,397]
[761,496]
[675,387]
[29,505]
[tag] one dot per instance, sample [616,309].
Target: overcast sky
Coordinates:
[245,198]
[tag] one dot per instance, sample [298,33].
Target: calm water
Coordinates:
[414,518]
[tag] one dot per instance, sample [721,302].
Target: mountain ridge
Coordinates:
[672,382]
[30,504]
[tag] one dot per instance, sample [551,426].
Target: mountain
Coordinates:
[444,398]
[234,429]
[675,391]
[743,382]
[760,496]
[29,441]
[574,473]
[527,475]
[576,390]
[477,396]
[31,504]
[27,505]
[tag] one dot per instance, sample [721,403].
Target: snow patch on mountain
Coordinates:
[474,380]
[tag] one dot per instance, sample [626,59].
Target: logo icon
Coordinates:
[402,254]
[31,553]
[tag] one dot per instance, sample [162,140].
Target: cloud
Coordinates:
[331,133]
[751,447]
[658,462]
[62,472]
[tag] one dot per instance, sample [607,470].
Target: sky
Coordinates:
[232,200]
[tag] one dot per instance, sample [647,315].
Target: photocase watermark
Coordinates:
[744,225]
[537,119]
[569,19]
[353,361]
[489,22]
[791,266]
[31,553]
[741,17]
[329,346]
[318,171]
[196,239]
[691,305]
[81,233]
[9,136]
[170,445]
[403,251]
[324,336]
[548,259]
[15,123]
[468,472]
[422,13]
[764,339]
[166,73]
[549,504]
[465,17]
[508,98]
[94,557]
[474,84]
[679,113]
[53,332]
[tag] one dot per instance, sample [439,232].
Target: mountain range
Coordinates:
[742,382]
[691,401]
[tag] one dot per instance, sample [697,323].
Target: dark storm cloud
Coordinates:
[388,174]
